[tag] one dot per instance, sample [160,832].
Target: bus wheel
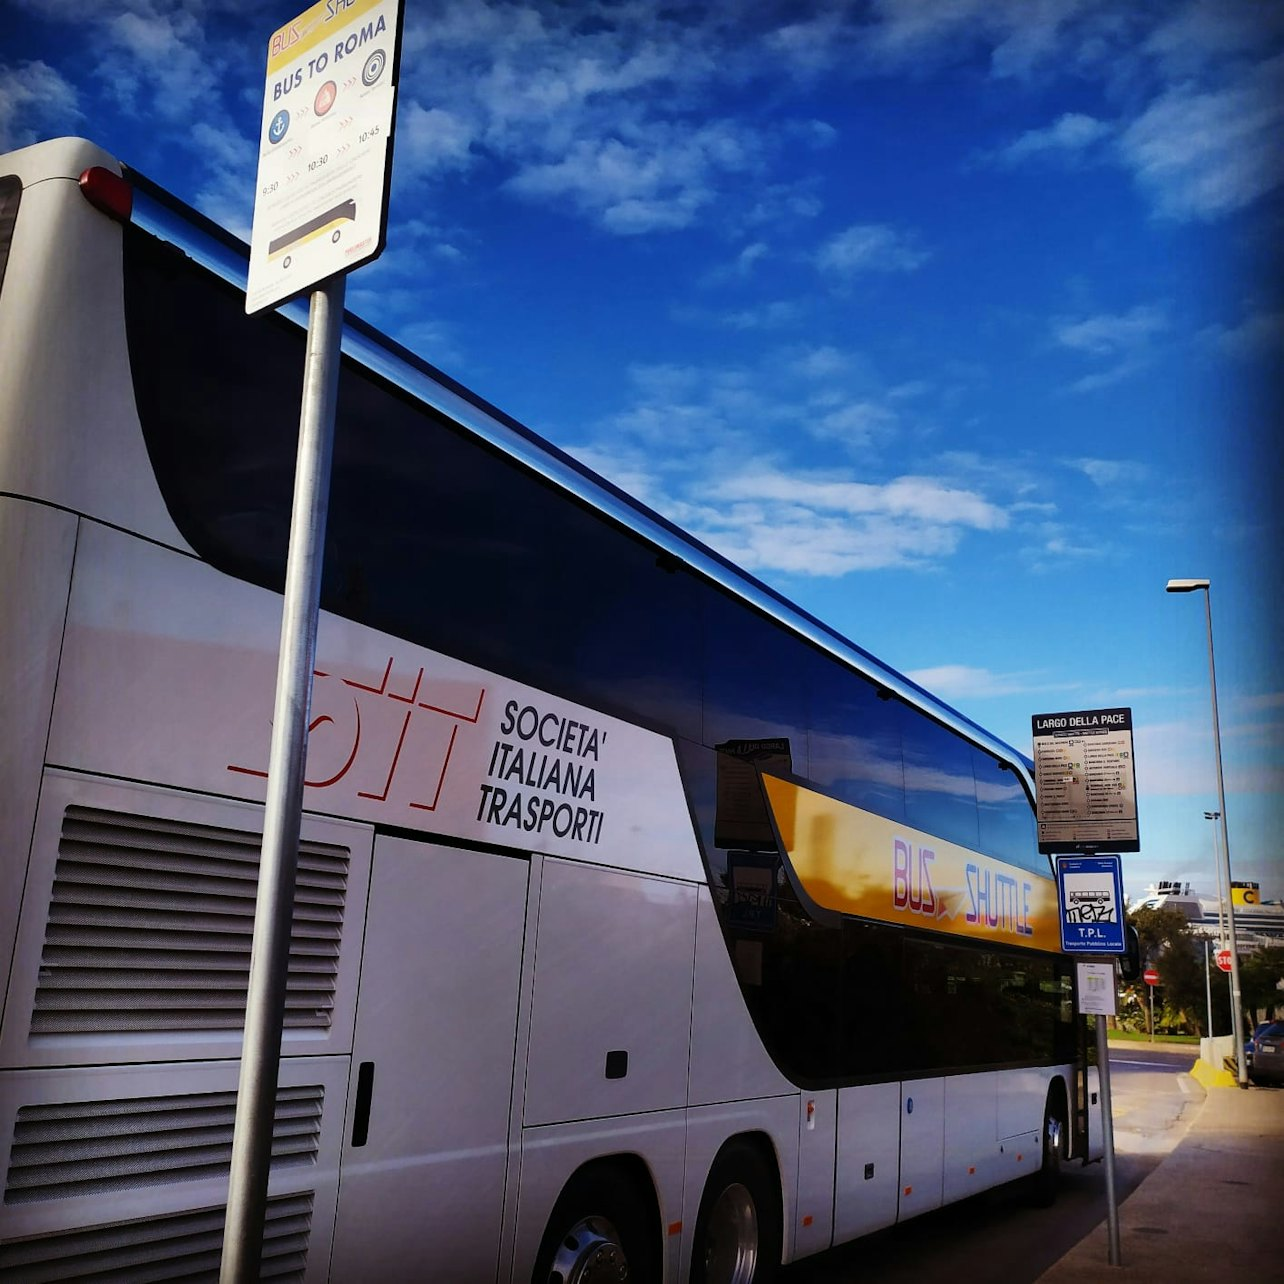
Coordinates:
[1044,1183]
[737,1235]
[598,1231]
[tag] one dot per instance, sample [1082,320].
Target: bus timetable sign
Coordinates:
[1090,889]
[320,203]
[1085,781]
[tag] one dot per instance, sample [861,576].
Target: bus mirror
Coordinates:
[1130,959]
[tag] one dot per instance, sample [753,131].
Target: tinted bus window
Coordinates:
[940,790]
[855,739]
[432,536]
[754,685]
[1006,817]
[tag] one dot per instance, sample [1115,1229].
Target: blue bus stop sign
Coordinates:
[1090,890]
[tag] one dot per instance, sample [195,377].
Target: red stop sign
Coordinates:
[1224,960]
[1150,976]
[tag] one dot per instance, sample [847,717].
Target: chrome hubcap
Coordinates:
[731,1238]
[590,1253]
[1054,1137]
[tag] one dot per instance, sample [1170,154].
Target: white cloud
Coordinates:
[1071,134]
[692,446]
[1124,339]
[772,314]
[1110,334]
[658,180]
[921,498]
[821,362]
[1105,473]
[33,98]
[432,139]
[1203,153]
[798,540]
[1021,34]
[1259,334]
[870,247]
[856,423]
[962,682]
[1200,32]
[768,518]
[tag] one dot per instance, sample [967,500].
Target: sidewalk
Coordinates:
[1210,1211]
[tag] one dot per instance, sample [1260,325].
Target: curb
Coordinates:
[1204,1075]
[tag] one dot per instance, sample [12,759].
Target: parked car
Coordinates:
[1248,1043]
[1266,1053]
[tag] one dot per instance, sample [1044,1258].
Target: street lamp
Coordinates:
[1237,1015]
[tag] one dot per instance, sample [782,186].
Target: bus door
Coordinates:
[1085,1054]
[425,1156]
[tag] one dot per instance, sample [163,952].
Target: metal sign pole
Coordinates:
[1208,986]
[1108,1141]
[274,907]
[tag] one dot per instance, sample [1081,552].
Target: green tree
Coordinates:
[1260,978]
[1168,944]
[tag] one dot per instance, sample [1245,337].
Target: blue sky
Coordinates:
[958,321]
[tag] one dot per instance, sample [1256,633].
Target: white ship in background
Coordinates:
[1258,923]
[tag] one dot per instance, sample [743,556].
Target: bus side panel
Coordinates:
[64,362]
[168,676]
[972,1157]
[869,1145]
[551,1154]
[774,1119]
[615,951]
[136,925]
[1096,1135]
[922,1146]
[1022,1097]
[426,1150]
[817,1144]
[728,1061]
[124,1025]
[36,549]
[109,1171]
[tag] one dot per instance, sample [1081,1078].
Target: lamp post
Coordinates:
[1237,1015]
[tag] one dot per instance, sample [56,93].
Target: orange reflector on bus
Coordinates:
[675,1228]
[807,1220]
[108,192]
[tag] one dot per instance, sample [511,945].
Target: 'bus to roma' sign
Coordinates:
[325,150]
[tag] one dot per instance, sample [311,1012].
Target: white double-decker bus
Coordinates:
[643,923]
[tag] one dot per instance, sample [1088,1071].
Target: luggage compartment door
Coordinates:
[425,1156]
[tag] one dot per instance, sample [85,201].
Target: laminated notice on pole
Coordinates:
[325,150]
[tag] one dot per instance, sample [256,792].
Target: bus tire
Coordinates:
[599,1229]
[738,1233]
[1045,1183]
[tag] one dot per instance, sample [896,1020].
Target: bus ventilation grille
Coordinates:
[150,925]
[97,1147]
[185,1246]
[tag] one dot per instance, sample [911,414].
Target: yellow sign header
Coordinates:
[311,27]
[857,863]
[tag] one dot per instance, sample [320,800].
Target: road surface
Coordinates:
[994,1238]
